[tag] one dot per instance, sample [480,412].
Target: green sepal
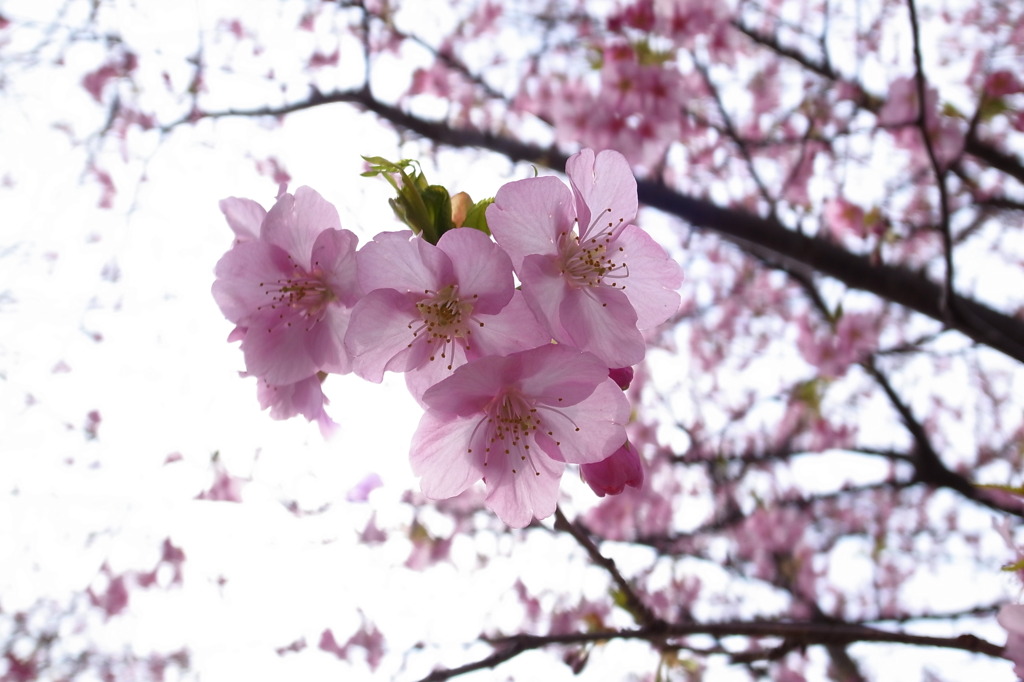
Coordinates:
[1014,567]
[476,217]
[425,208]
[439,209]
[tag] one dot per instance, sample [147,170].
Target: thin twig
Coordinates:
[634,604]
[948,292]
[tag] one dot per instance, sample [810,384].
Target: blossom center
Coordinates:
[594,259]
[444,317]
[510,424]
[307,294]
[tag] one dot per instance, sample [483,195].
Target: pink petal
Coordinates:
[334,252]
[275,348]
[1011,617]
[240,273]
[560,375]
[244,217]
[380,338]
[602,320]
[326,341]
[600,419]
[467,392]
[531,492]
[598,319]
[295,222]
[604,187]
[482,269]
[654,278]
[544,289]
[426,375]
[404,262]
[513,329]
[439,455]
[528,215]
[305,397]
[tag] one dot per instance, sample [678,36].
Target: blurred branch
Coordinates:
[940,173]
[633,603]
[677,543]
[928,466]
[793,634]
[1005,162]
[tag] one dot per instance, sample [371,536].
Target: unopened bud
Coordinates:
[611,476]
[461,203]
[623,376]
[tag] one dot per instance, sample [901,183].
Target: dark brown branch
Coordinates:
[634,604]
[1005,162]
[928,466]
[1008,163]
[940,173]
[794,633]
[975,320]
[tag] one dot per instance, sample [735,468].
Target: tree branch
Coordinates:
[795,633]
[940,173]
[975,320]
[928,466]
[634,604]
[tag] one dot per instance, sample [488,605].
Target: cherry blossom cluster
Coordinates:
[516,322]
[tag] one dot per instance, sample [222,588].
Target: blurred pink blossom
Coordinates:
[1011,617]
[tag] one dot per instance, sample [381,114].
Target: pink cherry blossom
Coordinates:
[900,112]
[289,290]
[592,276]
[611,475]
[514,421]
[835,349]
[430,308]
[1011,617]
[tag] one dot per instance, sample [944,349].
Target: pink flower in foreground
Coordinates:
[514,421]
[431,308]
[289,288]
[611,475]
[592,276]
[1011,617]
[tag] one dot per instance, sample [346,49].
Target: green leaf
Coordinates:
[810,393]
[992,107]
